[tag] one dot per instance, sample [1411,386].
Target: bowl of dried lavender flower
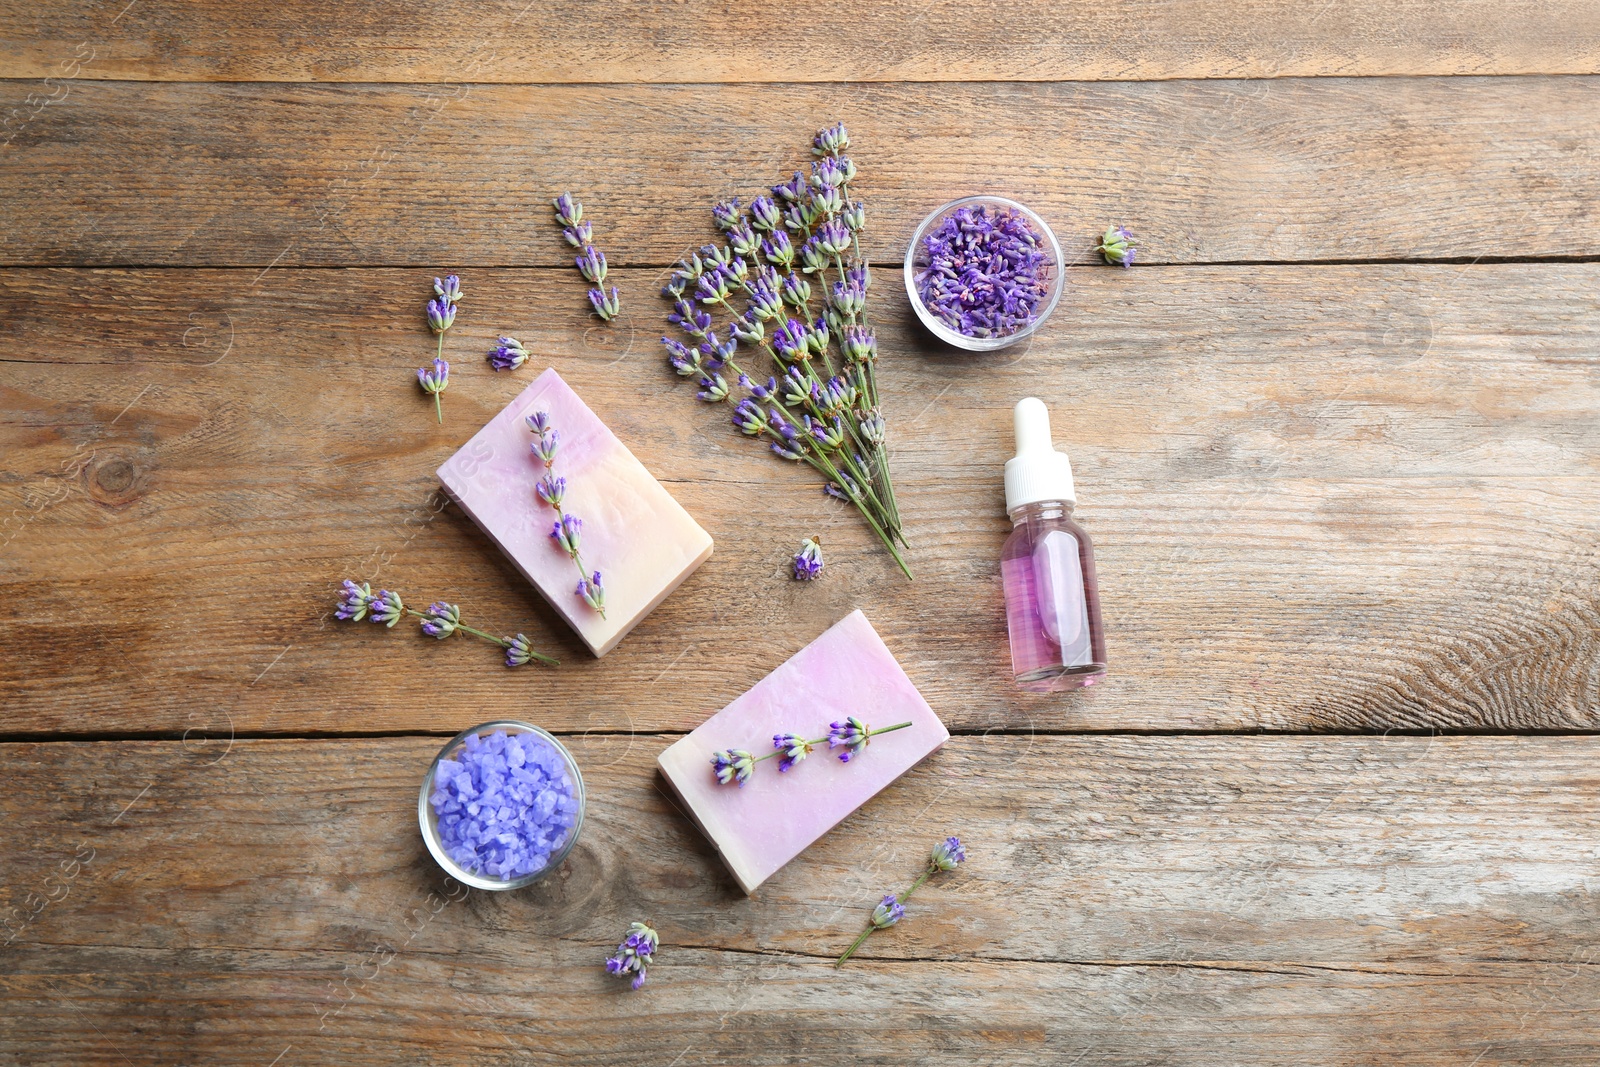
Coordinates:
[501,805]
[983,272]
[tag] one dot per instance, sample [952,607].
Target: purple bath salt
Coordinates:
[505,803]
[986,271]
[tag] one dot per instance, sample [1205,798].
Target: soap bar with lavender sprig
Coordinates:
[769,819]
[633,531]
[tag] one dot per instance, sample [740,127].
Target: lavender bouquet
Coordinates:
[809,384]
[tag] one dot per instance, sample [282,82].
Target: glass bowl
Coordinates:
[917,259]
[430,820]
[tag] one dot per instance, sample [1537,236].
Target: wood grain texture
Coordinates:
[442,176]
[1323,498]
[742,41]
[1143,900]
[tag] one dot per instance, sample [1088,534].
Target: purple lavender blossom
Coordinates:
[551,489]
[579,235]
[791,190]
[734,764]
[434,381]
[808,561]
[568,211]
[794,748]
[441,619]
[441,316]
[852,735]
[713,389]
[947,854]
[765,215]
[508,354]
[448,290]
[1116,245]
[354,601]
[567,533]
[591,263]
[605,304]
[634,954]
[831,141]
[985,271]
[386,608]
[519,650]
[684,360]
[547,440]
[593,593]
[790,341]
[725,213]
[888,912]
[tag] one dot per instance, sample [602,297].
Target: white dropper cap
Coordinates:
[1037,472]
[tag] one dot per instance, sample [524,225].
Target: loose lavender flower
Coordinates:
[808,561]
[888,912]
[946,855]
[634,954]
[831,141]
[551,490]
[434,381]
[734,764]
[387,608]
[726,214]
[737,765]
[1116,245]
[440,620]
[984,271]
[590,261]
[354,601]
[508,354]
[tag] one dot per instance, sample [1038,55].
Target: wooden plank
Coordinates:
[1208,900]
[1295,169]
[1323,497]
[742,41]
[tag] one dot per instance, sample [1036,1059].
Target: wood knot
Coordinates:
[563,902]
[115,480]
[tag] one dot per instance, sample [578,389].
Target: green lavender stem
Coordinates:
[861,938]
[491,638]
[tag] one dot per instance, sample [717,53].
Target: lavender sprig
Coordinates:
[507,354]
[1116,245]
[386,608]
[568,529]
[434,380]
[945,856]
[780,252]
[808,561]
[590,261]
[735,765]
[441,314]
[635,954]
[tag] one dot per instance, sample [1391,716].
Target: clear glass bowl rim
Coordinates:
[429,822]
[982,344]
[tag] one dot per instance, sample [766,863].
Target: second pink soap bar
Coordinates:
[762,825]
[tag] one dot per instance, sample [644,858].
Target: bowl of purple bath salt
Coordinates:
[502,805]
[983,272]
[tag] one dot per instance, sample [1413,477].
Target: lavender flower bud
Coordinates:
[813,256]
[765,303]
[947,854]
[786,452]
[1117,246]
[764,214]
[859,276]
[795,291]
[715,258]
[838,394]
[778,249]
[548,440]
[888,912]
[592,264]
[849,168]
[825,203]
[792,190]
[441,315]
[434,380]
[354,601]
[859,344]
[743,240]
[737,271]
[592,592]
[386,608]
[539,422]
[519,651]
[568,211]
[747,330]
[689,318]
[831,141]
[832,237]
[795,748]
[684,360]
[873,429]
[834,491]
[713,389]
[807,567]
[713,288]
[726,214]
[818,338]
[715,354]
[796,389]
[852,735]
[579,235]
[836,322]
[551,489]
[676,284]
[441,619]
[854,217]
[826,173]
[831,436]
[692,267]
[634,954]
[508,354]
[735,764]
[448,289]
[847,299]
[789,341]
[567,533]
[799,216]
[749,417]
[606,305]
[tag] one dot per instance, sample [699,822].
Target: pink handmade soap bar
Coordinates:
[640,539]
[762,825]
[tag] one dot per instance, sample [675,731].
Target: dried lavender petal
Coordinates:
[505,804]
[986,271]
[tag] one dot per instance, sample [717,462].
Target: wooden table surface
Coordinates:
[1337,437]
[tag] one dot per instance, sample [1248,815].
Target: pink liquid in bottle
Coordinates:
[1047,567]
